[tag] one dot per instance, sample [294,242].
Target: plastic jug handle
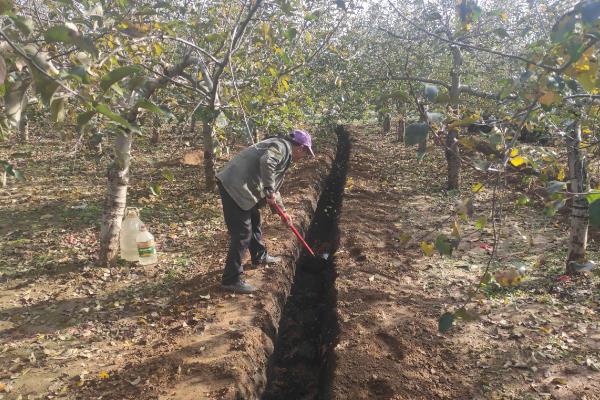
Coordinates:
[132,209]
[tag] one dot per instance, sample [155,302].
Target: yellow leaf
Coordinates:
[546,330]
[456,230]
[508,278]
[561,175]
[468,27]
[514,152]
[103,375]
[157,49]
[516,161]
[549,97]
[427,248]
[308,38]
[404,238]
[477,187]
[503,16]
[585,70]
[559,381]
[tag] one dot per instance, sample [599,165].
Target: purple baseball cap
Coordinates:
[302,138]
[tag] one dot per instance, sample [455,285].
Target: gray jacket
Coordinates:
[260,166]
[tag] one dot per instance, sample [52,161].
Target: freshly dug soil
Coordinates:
[301,364]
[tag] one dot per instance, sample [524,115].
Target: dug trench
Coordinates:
[301,365]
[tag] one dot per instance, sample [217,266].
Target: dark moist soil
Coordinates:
[301,364]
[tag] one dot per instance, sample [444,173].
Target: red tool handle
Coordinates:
[288,223]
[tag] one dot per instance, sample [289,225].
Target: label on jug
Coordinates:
[146,249]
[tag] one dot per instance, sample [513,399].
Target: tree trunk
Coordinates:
[24,129]
[453,159]
[118,173]
[193,127]
[15,101]
[3,180]
[209,156]
[579,210]
[115,201]
[387,124]
[452,149]
[155,139]
[400,129]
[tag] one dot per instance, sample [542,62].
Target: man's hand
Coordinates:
[271,199]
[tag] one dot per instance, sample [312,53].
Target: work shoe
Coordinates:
[267,260]
[239,287]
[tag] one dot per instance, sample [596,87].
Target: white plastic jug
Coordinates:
[129,230]
[146,247]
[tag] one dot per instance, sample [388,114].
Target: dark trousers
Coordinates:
[244,233]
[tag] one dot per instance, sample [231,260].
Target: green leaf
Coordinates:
[6,6]
[150,106]
[466,315]
[84,118]
[78,73]
[481,222]
[486,279]
[431,92]
[563,28]
[590,12]
[156,189]
[117,74]
[501,33]
[2,70]
[555,187]
[435,117]
[10,170]
[445,322]
[523,200]
[416,133]
[59,33]
[168,175]
[553,206]
[593,196]
[105,110]
[443,245]
[64,34]
[86,44]
[25,25]
[221,121]
[44,86]
[57,109]
[290,34]
[595,213]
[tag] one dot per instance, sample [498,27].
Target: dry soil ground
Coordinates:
[69,329]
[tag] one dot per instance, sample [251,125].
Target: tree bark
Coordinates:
[452,149]
[15,100]
[24,128]
[115,201]
[192,131]
[387,123]
[118,173]
[209,155]
[453,160]
[579,209]
[400,129]
[155,139]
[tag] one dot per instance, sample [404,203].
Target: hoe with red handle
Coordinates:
[293,228]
